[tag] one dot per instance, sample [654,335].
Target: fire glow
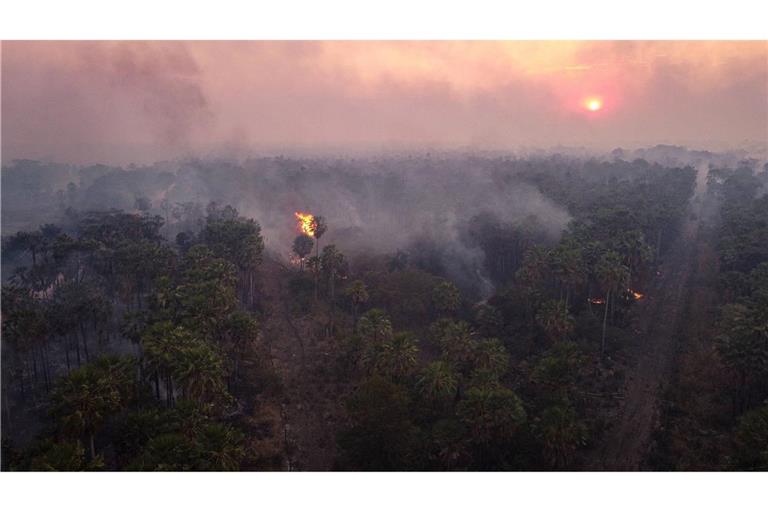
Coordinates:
[636,295]
[305,221]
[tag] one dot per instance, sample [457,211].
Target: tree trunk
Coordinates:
[77,349]
[605,320]
[93,447]
[85,343]
[333,299]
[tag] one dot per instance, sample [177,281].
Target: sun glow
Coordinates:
[593,104]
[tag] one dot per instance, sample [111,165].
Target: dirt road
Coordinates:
[626,444]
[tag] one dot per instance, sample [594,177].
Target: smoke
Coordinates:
[421,205]
[122,102]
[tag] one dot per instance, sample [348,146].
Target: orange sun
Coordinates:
[593,104]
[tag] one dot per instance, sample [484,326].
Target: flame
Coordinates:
[636,295]
[305,223]
[597,301]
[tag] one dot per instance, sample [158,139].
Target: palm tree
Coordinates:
[199,370]
[457,342]
[358,294]
[611,273]
[446,298]
[636,251]
[568,267]
[162,343]
[318,227]
[85,397]
[438,381]
[334,265]
[396,357]
[534,266]
[561,433]
[222,447]
[492,413]
[491,359]
[314,265]
[374,327]
[555,319]
[302,246]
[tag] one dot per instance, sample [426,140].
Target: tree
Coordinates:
[87,396]
[358,294]
[446,298]
[555,320]
[743,346]
[457,343]
[199,370]
[534,266]
[374,327]
[62,456]
[395,357]
[221,447]
[492,414]
[635,250]
[238,241]
[751,441]
[438,381]
[611,273]
[568,267]
[561,434]
[302,246]
[334,265]
[318,228]
[381,435]
[490,360]
[184,360]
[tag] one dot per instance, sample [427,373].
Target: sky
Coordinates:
[124,101]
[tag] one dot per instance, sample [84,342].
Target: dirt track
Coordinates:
[626,444]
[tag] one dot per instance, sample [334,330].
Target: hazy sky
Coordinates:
[120,102]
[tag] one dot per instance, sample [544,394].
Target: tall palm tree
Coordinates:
[555,319]
[85,397]
[611,273]
[334,265]
[374,327]
[635,250]
[302,246]
[318,227]
[358,294]
[457,341]
[199,370]
[568,267]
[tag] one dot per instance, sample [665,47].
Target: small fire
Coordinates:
[596,301]
[636,295]
[305,223]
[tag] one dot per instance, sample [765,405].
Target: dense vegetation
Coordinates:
[716,413]
[164,335]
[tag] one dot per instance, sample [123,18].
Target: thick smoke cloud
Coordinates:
[423,206]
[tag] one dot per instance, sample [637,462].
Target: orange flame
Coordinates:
[597,301]
[305,223]
[636,295]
